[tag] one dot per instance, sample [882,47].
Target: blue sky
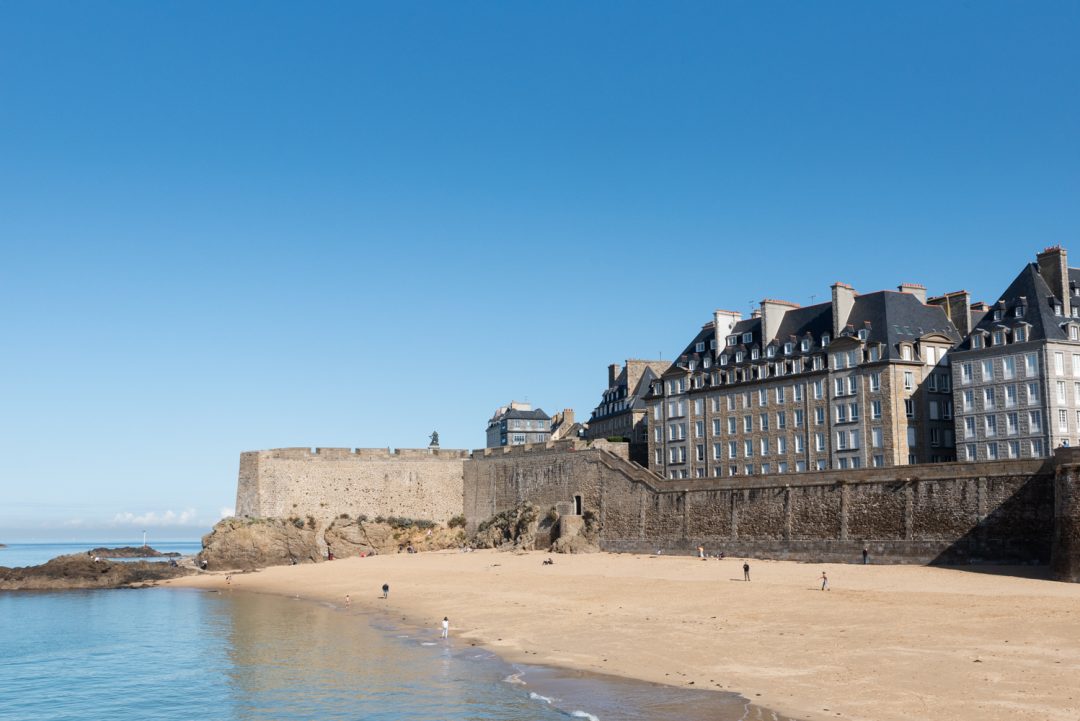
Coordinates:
[233,226]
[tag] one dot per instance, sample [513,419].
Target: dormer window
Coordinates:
[788,347]
[723,359]
[692,365]
[863,334]
[732,339]
[747,337]
[997,315]
[755,353]
[905,352]
[699,347]
[1020,335]
[825,340]
[705,362]
[712,344]
[999,337]
[1074,332]
[1057,308]
[1020,310]
[739,356]
[805,345]
[976,341]
[875,353]
[770,351]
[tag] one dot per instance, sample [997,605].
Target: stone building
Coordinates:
[621,412]
[862,380]
[517,424]
[1017,375]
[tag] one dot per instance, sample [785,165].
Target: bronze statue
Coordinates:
[434,439]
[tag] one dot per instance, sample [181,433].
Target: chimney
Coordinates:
[915,289]
[772,315]
[1054,268]
[957,307]
[568,417]
[843,300]
[723,322]
[613,372]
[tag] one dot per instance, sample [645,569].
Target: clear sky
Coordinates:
[234,226]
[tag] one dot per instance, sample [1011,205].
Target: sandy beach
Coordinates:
[884,643]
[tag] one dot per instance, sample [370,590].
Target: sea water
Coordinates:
[32,554]
[172,654]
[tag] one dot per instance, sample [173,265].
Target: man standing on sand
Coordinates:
[445,627]
[745,571]
[824,582]
[865,555]
[347,600]
[385,590]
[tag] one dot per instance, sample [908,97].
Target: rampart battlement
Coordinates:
[563,446]
[415,453]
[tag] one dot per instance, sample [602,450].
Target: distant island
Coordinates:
[131,552]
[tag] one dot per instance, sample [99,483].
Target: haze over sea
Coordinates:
[171,654]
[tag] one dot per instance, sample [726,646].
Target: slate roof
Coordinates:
[1039,300]
[536,414]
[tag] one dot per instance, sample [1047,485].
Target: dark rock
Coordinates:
[131,552]
[250,543]
[79,570]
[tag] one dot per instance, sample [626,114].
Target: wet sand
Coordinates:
[886,642]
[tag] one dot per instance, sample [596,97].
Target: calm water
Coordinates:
[31,554]
[172,654]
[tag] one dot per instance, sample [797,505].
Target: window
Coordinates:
[970,452]
[819,416]
[878,461]
[1008,364]
[764,446]
[905,352]
[874,353]
[656,411]
[841,413]
[1031,365]
[804,345]
[1035,421]
[992,451]
[935,411]
[748,449]
[819,441]
[1010,396]
[700,347]
[1061,394]
[763,397]
[770,351]
[781,420]
[796,391]
[798,418]
[841,440]
[876,438]
[731,402]
[977,340]
[1033,393]
[1014,449]
[781,445]
[966,374]
[716,426]
[1059,364]
[782,467]
[1036,448]
[969,400]
[1074,334]
[839,383]
[988,399]
[999,337]
[944,383]
[909,381]
[732,339]
[747,337]
[659,457]
[932,382]
[739,356]
[763,421]
[1019,334]
[825,340]
[699,451]
[799,443]
[909,407]
[969,427]
[749,469]
[755,353]
[946,411]
[851,385]
[875,382]
[990,426]
[1012,423]
[747,424]
[732,449]
[875,410]
[780,394]
[853,411]
[935,437]
[766,469]
[818,390]
[911,438]
[1063,421]
[699,429]
[820,464]
[987,370]
[731,425]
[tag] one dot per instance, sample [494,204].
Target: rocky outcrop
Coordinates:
[132,552]
[513,529]
[351,537]
[82,571]
[250,543]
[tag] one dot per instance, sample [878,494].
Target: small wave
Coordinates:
[537,697]
[584,715]
[514,678]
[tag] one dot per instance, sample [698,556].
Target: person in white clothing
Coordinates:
[445,627]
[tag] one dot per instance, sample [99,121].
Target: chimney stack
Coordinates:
[613,372]
[772,315]
[723,322]
[915,289]
[843,300]
[1054,268]
[957,307]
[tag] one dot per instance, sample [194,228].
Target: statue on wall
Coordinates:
[434,439]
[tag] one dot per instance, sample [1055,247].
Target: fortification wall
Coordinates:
[326,482]
[955,512]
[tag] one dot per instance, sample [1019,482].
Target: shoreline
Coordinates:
[886,642]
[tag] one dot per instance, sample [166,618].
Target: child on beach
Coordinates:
[824,582]
[445,627]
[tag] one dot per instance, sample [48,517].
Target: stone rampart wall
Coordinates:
[326,482]
[955,512]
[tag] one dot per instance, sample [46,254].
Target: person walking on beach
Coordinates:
[385,590]
[745,571]
[865,555]
[347,600]
[445,627]
[824,582]
[701,552]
